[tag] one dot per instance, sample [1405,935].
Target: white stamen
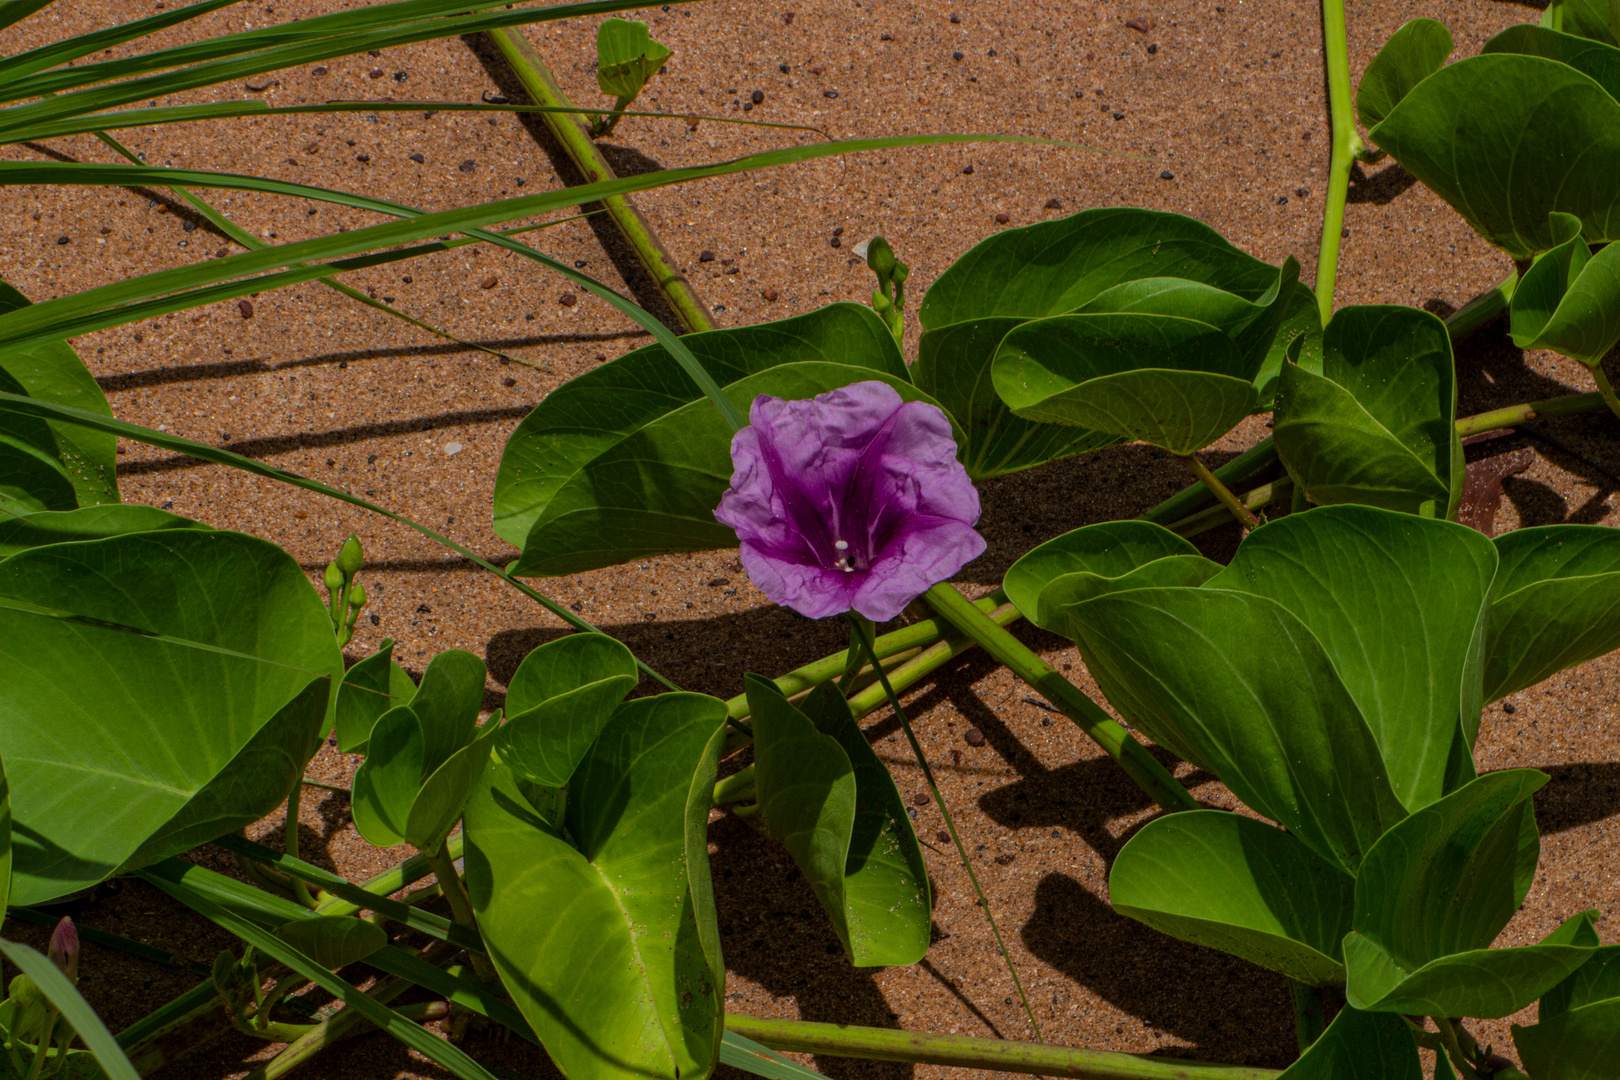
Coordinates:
[847,569]
[841,545]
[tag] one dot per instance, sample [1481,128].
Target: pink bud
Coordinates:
[65,948]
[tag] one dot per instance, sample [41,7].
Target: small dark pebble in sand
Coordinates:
[190,226]
[1282,200]
[489,282]
[1152,49]
[400,76]
[705,255]
[770,294]
[757,97]
[838,231]
[1509,708]
[1141,24]
[65,240]
[1005,860]
[1302,191]
[1002,219]
[423,609]
[1119,116]
[829,93]
[376,73]
[1054,204]
[967,170]
[885,37]
[246,308]
[318,71]
[715,583]
[956,18]
[362,158]
[942,836]
[992,52]
[973,737]
[468,166]
[577,606]
[509,381]
[783,68]
[836,242]
[1167,175]
[418,158]
[787,17]
[956,56]
[579,264]
[567,299]
[920,799]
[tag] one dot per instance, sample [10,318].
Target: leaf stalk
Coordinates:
[1346,146]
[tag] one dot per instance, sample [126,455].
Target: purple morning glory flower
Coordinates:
[851,500]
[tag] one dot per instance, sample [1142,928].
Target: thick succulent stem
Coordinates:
[1346,146]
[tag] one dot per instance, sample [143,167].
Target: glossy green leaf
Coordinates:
[954,368]
[1507,140]
[52,371]
[1175,383]
[386,783]
[1569,299]
[443,795]
[333,941]
[1557,604]
[1109,549]
[1412,53]
[1399,604]
[1238,885]
[1377,425]
[1301,333]
[626,57]
[1600,60]
[1596,980]
[1436,890]
[825,795]
[655,491]
[608,943]
[1056,266]
[592,412]
[1262,707]
[87,523]
[74,1009]
[1360,1046]
[1185,571]
[369,689]
[1582,1044]
[559,699]
[162,688]
[446,704]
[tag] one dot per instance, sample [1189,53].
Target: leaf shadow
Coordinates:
[1382,187]
[1164,982]
[1579,793]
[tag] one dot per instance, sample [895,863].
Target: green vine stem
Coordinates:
[575,136]
[861,631]
[1103,729]
[461,909]
[965,1051]
[300,891]
[1213,518]
[1346,147]
[1482,308]
[1234,472]
[1514,415]
[1222,493]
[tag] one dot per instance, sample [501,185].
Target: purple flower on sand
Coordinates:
[853,499]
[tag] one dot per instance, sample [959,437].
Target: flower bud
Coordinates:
[334,578]
[357,596]
[880,258]
[64,949]
[350,558]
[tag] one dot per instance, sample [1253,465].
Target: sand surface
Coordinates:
[1226,98]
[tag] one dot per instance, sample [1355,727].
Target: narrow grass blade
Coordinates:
[70,49]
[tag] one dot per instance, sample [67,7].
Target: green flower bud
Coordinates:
[880,258]
[357,596]
[350,558]
[334,578]
[24,993]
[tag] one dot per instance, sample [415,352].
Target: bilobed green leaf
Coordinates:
[655,491]
[444,792]
[592,412]
[86,523]
[369,689]
[1557,604]
[1399,604]
[1432,895]
[608,944]
[1507,140]
[559,699]
[626,57]
[954,368]
[1109,549]
[825,795]
[1412,53]
[386,783]
[1185,571]
[1569,299]
[1360,1046]
[162,688]
[446,705]
[52,371]
[1377,425]
[333,941]
[1238,885]
[1262,707]
[1175,383]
